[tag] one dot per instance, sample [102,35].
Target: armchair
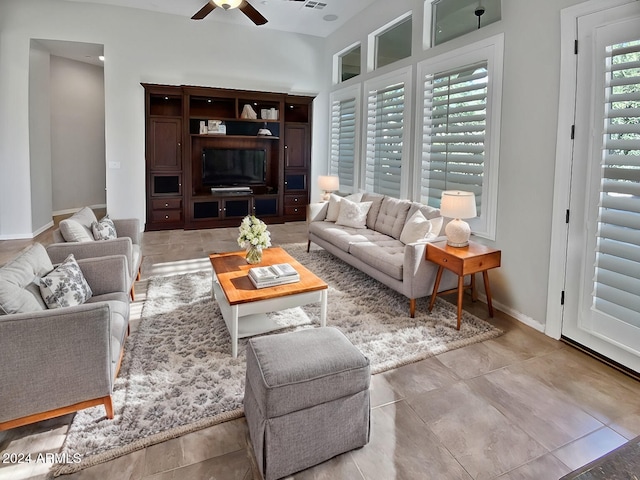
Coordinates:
[75,236]
[61,360]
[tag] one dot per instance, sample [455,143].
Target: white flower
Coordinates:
[253,231]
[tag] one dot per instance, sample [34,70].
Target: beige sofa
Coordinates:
[390,246]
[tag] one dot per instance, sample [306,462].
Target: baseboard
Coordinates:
[521,317]
[28,236]
[71,211]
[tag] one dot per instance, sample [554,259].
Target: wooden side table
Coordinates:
[462,261]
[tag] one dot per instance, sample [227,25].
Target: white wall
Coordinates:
[528,135]
[39,137]
[139,47]
[77,135]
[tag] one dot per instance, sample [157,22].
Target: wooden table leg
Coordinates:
[487,289]
[435,287]
[460,294]
[474,292]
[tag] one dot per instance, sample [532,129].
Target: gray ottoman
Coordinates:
[306,399]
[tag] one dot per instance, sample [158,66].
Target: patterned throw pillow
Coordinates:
[353,214]
[104,229]
[65,286]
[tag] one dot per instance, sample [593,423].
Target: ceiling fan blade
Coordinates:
[204,11]
[252,13]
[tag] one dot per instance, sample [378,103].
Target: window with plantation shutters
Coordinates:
[455,104]
[385,138]
[617,273]
[458,139]
[343,141]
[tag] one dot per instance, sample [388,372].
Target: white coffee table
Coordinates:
[244,307]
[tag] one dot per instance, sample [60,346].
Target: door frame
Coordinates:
[564,157]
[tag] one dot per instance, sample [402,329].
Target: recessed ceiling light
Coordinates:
[101,58]
[330,18]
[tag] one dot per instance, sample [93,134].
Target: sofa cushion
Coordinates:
[353,214]
[65,286]
[18,292]
[333,209]
[392,216]
[417,228]
[376,201]
[343,237]
[77,228]
[104,229]
[386,256]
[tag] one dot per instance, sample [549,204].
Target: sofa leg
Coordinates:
[108,406]
[308,245]
[412,307]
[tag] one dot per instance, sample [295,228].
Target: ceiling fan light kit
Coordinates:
[228,4]
[242,5]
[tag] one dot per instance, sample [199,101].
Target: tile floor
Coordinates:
[518,407]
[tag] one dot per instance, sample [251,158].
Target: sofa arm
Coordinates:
[128,227]
[418,274]
[106,274]
[317,212]
[99,248]
[54,358]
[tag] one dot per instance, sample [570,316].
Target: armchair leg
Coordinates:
[308,245]
[108,406]
[132,293]
[412,307]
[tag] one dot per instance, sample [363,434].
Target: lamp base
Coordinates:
[458,233]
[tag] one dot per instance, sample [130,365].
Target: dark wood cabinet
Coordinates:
[178,138]
[164,144]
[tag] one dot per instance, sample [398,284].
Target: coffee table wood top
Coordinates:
[231,270]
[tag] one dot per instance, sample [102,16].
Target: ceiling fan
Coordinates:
[244,6]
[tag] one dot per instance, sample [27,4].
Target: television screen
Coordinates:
[226,167]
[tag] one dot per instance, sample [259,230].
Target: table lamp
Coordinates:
[457,204]
[328,184]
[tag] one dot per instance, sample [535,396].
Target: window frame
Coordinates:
[490,50]
[337,63]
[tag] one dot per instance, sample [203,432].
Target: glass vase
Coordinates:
[254,254]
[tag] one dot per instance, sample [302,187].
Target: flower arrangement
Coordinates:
[254,236]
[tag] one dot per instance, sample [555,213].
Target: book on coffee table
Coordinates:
[279,274]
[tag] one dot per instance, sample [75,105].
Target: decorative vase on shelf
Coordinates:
[254,254]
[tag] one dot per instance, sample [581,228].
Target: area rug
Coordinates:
[178,376]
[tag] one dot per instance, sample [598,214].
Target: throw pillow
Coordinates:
[77,228]
[333,210]
[18,294]
[73,231]
[65,286]
[104,229]
[417,228]
[353,214]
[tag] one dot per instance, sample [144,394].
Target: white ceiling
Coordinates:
[286,15]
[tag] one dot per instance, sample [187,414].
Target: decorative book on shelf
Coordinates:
[279,274]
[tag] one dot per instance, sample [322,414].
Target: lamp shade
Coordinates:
[328,183]
[458,204]
[228,4]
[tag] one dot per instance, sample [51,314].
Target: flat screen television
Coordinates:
[231,167]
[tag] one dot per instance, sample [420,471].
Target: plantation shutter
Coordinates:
[343,140]
[617,273]
[453,157]
[385,132]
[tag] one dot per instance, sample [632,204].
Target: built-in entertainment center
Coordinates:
[215,155]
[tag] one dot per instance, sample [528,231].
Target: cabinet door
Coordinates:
[165,144]
[296,148]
